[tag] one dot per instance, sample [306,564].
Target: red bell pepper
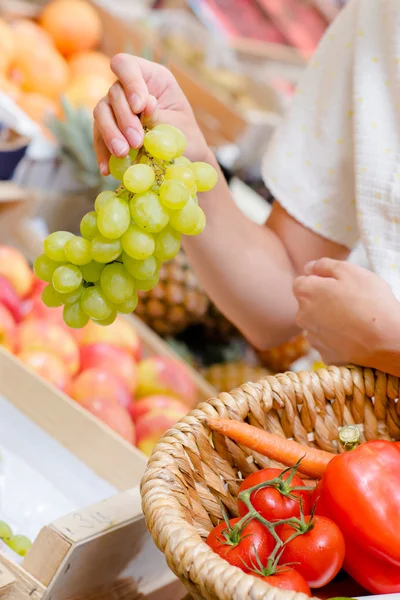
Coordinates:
[360,491]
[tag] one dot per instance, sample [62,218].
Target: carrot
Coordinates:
[313,462]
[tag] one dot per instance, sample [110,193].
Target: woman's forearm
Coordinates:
[245,269]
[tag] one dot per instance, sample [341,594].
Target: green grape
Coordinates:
[95,304]
[206,176]
[184,220]
[161,144]
[74,296]
[67,278]
[117,284]
[5,531]
[102,199]
[173,194]
[91,272]
[181,173]
[105,322]
[140,269]
[113,218]
[104,250]
[118,165]
[201,222]
[44,267]
[148,213]
[88,227]
[179,137]
[137,243]
[54,245]
[148,284]
[74,316]
[52,298]
[182,161]
[129,306]
[19,543]
[145,160]
[168,243]
[139,178]
[78,251]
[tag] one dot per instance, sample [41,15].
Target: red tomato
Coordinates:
[240,547]
[287,579]
[318,553]
[274,503]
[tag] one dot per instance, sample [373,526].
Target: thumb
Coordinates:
[324,267]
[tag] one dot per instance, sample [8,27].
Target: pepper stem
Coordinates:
[350,437]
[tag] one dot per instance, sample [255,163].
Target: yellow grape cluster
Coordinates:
[130,232]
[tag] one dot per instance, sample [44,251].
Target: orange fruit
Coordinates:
[26,33]
[91,62]
[74,25]
[7,46]
[42,70]
[38,107]
[8,87]
[86,91]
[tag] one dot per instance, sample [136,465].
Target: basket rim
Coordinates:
[187,554]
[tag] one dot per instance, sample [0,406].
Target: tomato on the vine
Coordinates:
[240,546]
[287,579]
[318,553]
[278,500]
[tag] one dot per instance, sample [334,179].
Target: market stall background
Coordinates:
[238,63]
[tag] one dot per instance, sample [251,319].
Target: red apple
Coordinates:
[113,359]
[8,330]
[112,415]
[162,375]
[38,334]
[121,334]
[151,427]
[99,383]
[10,299]
[15,268]
[47,366]
[160,403]
[35,309]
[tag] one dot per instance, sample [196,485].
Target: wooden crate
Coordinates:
[94,545]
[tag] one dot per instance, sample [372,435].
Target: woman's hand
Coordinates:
[147,88]
[349,314]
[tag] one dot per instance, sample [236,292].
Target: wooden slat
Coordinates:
[98,446]
[7,580]
[25,587]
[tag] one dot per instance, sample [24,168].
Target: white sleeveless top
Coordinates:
[334,164]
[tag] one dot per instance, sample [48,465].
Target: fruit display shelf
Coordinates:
[93,545]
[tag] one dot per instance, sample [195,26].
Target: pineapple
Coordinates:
[228,376]
[74,133]
[217,326]
[176,302]
[281,358]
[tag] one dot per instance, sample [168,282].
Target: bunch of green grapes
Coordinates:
[130,232]
[18,543]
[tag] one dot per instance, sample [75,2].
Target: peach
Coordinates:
[47,366]
[151,427]
[10,299]
[113,415]
[35,309]
[113,359]
[38,334]
[8,329]
[159,403]
[163,375]
[15,268]
[121,334]
[99,383]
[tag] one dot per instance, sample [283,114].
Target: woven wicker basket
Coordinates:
[187,477]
